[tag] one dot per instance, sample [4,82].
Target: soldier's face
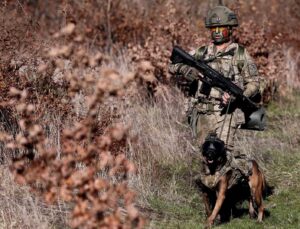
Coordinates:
[220,35]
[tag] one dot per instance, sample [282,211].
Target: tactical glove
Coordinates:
[251,89]
[189,73]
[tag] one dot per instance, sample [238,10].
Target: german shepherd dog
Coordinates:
[216,199]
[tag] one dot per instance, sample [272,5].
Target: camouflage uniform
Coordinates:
[204,112]
[235,63]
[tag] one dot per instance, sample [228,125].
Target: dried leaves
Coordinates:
[85,172]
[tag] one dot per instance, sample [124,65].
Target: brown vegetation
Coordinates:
[71,70]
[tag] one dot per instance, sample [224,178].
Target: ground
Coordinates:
[279,152]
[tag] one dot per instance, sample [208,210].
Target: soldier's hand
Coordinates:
[225,98]
[192,74]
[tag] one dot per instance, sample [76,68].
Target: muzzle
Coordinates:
[213,148]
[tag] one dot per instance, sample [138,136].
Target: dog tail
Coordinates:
[263,180]
[267,189]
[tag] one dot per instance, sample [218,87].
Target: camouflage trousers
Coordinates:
[207,118]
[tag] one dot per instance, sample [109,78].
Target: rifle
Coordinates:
[254,113]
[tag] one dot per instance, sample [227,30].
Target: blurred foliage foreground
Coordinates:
[88,112]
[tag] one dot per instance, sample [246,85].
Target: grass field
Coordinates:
[278,151]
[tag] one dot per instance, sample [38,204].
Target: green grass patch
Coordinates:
[285,107]
[282,171]
[178,214]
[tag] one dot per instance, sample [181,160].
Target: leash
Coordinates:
[222,128]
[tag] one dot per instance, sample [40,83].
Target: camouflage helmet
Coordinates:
[221,16]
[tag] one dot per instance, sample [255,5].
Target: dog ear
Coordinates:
[213,138]
[209,139]
[208,146]
[220,146]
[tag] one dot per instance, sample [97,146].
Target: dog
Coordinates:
[222,183]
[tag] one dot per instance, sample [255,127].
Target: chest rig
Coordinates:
[236,52]
[230,63]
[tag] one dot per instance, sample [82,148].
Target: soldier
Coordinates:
[230,59]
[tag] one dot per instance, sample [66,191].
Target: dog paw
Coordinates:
[252,215]
[209,223]
[259,219]
[207,226]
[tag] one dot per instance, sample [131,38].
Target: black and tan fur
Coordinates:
[217,199]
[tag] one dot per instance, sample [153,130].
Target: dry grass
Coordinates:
[20,208]
[82,163]
[159,141]
[177,203]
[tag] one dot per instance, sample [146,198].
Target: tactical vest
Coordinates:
[239,167]
[238,55]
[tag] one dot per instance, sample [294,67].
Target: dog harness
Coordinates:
[239,167]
